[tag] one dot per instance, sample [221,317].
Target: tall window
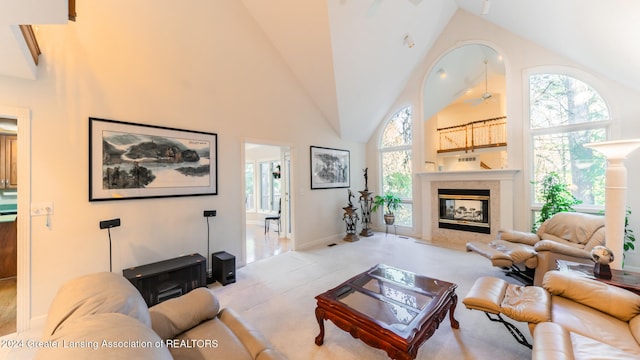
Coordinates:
[249,190]
[269,186]
[395,154]
[566,113]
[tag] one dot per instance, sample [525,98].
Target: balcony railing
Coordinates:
[474,135]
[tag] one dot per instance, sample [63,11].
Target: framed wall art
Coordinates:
[330,168]
[134,161]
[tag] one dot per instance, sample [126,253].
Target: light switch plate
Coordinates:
[42,209]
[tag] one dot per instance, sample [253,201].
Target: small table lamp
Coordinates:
[603,257]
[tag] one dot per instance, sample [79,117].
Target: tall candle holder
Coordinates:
[350,218]
[366,202]
[615,193]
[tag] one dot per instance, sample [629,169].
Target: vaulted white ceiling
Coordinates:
[350,55]
[15,59]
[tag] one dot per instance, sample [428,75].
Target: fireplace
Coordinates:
[464,210]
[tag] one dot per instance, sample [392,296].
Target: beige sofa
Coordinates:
[589,320]
[102,316]
[565,236]
[570,317]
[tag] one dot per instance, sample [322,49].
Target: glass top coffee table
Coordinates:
[389,309]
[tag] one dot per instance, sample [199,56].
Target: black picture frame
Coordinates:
[138,161]
[330,168]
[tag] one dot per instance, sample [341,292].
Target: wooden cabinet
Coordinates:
[8,249]
[166,279]
[8,161]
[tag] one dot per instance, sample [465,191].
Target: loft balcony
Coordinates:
[480,134]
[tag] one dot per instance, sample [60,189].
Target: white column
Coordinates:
[615,193]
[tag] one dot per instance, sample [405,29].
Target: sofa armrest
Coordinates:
[518,237]
[551,342]
[174,316]
[556,247]
[611,300]
[253,340]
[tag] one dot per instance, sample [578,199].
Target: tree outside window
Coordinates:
[565,114]
[395,152]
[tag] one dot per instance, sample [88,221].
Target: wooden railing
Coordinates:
[474,135]
[32,43]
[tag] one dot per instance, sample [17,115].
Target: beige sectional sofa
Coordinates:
[565,236]
[570,317]
[102,316]
[589,320]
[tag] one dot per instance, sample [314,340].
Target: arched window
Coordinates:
[566,113]
[395,155]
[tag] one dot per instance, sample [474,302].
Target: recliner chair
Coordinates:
[565,236]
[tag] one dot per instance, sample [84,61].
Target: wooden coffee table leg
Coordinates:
[454,302]
[320,318]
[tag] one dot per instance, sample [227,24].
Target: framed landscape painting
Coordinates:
[330,168]
[134,161]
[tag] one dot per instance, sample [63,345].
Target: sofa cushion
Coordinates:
[612,300]
[486,295]
[530,304]
[589,322]
[518,253]
[571,226]
[174,316]
[96,293]
[586,348]
[104,336]
[209,340]
[518,237]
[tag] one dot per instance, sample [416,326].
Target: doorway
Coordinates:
[267,201]
[20,119]
[8,228]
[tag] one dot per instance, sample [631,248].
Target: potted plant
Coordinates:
[388,201]
[557,198]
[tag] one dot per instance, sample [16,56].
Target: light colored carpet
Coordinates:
[276,295]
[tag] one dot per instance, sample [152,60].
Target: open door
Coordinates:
[267,180]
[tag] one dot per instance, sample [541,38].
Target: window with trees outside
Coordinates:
[269,186]
[566,113]
[395,154]
[249,187]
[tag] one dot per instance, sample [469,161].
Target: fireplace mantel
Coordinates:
[501,180]
[472,175]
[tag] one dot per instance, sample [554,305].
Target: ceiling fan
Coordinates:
[486,95]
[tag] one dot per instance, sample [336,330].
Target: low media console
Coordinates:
[167,279]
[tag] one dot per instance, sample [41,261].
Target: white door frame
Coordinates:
[288,218]
[23,311]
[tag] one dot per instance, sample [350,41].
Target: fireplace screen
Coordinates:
[465,210]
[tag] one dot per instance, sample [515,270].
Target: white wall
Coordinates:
[210,69]
[520,56]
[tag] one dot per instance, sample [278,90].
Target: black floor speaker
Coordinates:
[223,266]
